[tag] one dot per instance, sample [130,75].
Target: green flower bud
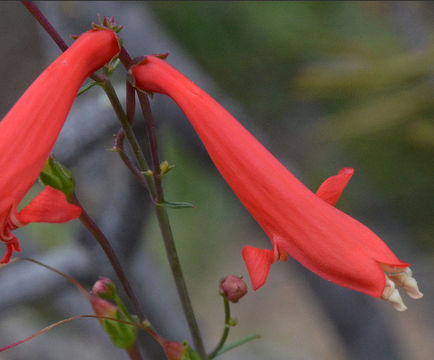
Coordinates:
[57,176]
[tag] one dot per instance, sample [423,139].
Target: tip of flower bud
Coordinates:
[107,23]
[104,288]
[233,288]
[174,350]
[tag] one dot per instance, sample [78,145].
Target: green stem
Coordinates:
[129,133]
[178,276]
[225,330]
[163,218]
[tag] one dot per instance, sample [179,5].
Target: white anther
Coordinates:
[405,280]
[392,295]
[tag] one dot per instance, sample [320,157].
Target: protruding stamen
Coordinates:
[392,295]
[404,279]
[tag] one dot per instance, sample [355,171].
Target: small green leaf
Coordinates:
[176,204]
[112,65]
[87,87]
[235,344]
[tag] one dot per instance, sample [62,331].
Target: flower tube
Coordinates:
[298,222]
[30,129]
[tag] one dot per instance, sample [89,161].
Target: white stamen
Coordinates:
[407,281]
[392,295]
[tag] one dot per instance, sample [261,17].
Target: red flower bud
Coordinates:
[103,307]
[30,129]
[233,287]
[173,350]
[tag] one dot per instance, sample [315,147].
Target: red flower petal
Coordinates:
[258,262]
[30,129]
[11,246]
[49,206]
[331,189]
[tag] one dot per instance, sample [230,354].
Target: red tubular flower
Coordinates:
[298,222]
[28,133]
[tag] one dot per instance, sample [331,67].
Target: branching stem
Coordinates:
[163,218]
[154,187]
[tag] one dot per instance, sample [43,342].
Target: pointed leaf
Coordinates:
[87,87]
[176,204]
[237,343]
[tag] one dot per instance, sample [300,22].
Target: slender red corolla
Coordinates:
[30,129]
[298,222]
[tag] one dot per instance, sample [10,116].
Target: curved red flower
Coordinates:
[298,222]
[30,129]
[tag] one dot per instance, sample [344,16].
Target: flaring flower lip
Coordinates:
[299,223]
[30,129]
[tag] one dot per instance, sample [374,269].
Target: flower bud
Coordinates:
[103,307]
[122,335]
[174,350]
[233,288]
[165,167]
[104,288]
[57,176]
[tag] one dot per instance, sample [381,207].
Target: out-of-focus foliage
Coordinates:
[334,77]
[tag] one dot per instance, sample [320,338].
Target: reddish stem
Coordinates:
[111,255]
[38,15]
